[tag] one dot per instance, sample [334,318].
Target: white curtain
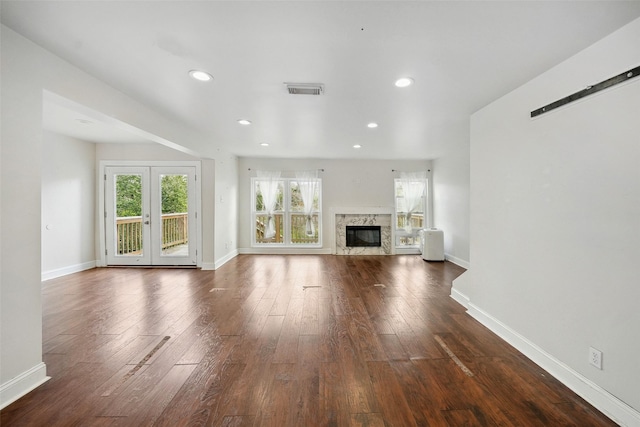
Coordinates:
[268,183]
[413,190]
[308,184]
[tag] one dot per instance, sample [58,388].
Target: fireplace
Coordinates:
[363,235]
[363,219]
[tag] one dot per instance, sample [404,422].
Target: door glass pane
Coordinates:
[175,214]
[128,194]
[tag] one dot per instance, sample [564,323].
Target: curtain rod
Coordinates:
[396,170]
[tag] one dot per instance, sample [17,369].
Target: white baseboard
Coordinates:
[601,399]
[407,251]
[285,251]
[460,298]
[462,263]
[14,389]
[222,261]
[59,272]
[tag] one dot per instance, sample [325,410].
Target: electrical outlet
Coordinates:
[595,357]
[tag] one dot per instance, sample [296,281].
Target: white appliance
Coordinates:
[432,244]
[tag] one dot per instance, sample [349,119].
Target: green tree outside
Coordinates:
[128,195]
[174,190]
[174,194]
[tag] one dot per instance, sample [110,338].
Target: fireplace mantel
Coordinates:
[367,210]
[362,215]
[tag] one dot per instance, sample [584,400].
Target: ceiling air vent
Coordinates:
[305,88]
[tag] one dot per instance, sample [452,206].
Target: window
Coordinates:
[411,208]
[295,219]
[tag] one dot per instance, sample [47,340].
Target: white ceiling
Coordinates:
[462,55]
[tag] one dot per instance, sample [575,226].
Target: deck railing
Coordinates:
[413,239]
[175,231]
[298,226]
[417,220]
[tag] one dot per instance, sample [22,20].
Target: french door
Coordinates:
[150,215]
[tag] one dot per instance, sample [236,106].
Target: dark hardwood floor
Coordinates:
[282,341]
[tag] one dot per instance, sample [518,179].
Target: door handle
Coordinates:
[146,222]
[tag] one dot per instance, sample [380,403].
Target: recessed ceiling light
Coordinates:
[372,125]
[265,144]
[244,122]
[357,146]
[404,82]
[84,121]
[202,76]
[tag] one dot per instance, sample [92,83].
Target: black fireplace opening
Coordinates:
[363,235]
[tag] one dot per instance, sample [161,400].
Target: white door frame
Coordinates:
[101,244]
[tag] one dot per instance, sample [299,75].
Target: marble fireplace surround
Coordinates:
[344,216]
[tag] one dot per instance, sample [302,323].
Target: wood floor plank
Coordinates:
[216,399]
[287,346]
[251,388]
[455,390]
[392,347]
[359,392]
[363,334]
[389,395]
[334,410]
[208,382]
[282,340]
[147,407]
[239,421]
[304,408]
[462,417]
[309,322]
[277,404]
[423,396]
[367,420]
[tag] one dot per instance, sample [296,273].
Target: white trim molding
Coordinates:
[19,386]
[285,251]
[600,398]
[222,261]
[59,272]
[407,251]
[208,266]
[460,298]
[458,261]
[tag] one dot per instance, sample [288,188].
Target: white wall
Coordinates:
[451,194]
[28,71]
[21,366]
[226,206]
[345,183]
[555,223]
[151,152]
[68,205]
